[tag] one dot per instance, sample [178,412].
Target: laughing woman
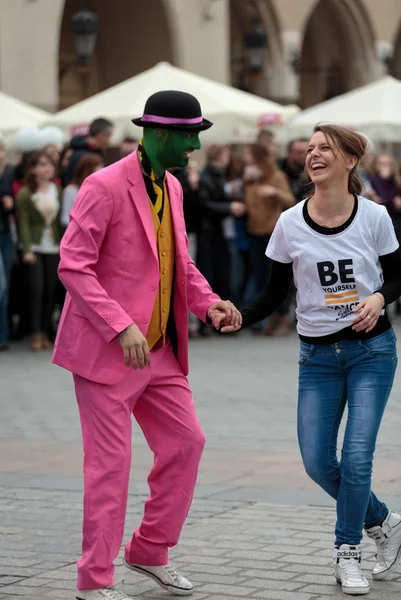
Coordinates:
[343,254]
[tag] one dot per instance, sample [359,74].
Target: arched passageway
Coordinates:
[124,46]
[337,51]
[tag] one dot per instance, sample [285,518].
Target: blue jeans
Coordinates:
[360,373]
[6,263]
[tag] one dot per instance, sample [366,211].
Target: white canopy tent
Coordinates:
[373,110]
[237,115]
[15,114]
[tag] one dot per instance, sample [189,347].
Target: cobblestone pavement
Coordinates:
[258,528]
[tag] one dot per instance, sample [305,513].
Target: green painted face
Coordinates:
[169,148]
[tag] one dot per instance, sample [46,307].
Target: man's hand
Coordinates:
[238,209]
[8,202]
[29,258]
[135,347]
[224,312]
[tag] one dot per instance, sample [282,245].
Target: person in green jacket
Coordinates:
[38,205]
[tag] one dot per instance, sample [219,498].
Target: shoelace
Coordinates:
[173,572]
[113,593]
[352,568]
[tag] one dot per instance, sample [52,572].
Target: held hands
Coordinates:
[368,312]
[135,347]
[225,313]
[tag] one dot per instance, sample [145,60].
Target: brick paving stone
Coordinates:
[289,549]
[220,570]
[302,560]
[25,591]
[222,579]
[272,584]
[7,579]
[255,564]
[228,590]
[283,595]
[250,555]
[313,569]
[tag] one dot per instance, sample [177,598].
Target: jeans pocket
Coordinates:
[382,347]
[305,354]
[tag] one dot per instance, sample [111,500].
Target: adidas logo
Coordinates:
[347,554]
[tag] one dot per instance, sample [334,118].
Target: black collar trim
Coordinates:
[329,230]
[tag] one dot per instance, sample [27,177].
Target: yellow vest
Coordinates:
[164,233]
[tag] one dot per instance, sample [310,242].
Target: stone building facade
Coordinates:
[316,49]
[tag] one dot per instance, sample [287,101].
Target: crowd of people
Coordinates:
[231,207]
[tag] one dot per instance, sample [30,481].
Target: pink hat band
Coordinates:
[171,120]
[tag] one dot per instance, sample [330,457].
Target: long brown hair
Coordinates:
[30,177]
[85,167]
[349,142]
[263,159]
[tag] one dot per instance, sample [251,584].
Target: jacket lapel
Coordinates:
[140,199]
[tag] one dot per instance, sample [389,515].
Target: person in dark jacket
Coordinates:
[98,140]
[214,253]
[293,165]
[7,209]
[193,215]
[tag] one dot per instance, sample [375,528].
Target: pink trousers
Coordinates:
[160,399]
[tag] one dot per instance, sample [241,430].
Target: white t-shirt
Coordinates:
[333,273]
[48,206]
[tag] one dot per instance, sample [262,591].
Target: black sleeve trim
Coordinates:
[391,266]
[271,297]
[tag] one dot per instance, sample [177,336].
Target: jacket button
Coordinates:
[152,287]
[144,320]
[164,310]
[182,281]
[163,253]
[185,314]
[162,234]
[164,291]
[164,272]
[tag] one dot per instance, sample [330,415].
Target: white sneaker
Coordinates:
[388,543]
[166,576]
[348,571]
[107,593]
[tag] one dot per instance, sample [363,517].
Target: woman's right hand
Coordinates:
[397,202]
[29,258]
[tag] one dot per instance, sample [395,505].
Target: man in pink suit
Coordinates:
[123,334]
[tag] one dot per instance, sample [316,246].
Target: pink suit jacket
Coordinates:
[109,266]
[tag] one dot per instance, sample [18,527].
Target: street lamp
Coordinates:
[84,28]
[256,44]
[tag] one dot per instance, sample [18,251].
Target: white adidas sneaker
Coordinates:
[106,593]
[166,576]
[348,571]
[388,543]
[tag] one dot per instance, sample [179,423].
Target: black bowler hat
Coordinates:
[173,110]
